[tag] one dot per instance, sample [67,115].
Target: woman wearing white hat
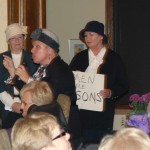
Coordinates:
[15,36]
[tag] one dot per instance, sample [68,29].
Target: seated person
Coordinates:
[126,139]
[39,131]
[37,96]
[10,60]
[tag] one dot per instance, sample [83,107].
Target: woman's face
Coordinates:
[60,140]
[41,53]
[93,40]
[26,102]
[16,43]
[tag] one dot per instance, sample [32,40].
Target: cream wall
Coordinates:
[3,24]
[67,17]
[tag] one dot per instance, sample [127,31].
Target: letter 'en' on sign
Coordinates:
[88,87]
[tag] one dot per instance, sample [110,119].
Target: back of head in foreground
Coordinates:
[39,131]
[40,93]
[126,139]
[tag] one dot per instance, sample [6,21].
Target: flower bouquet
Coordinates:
[138,116]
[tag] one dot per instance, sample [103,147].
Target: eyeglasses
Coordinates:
[60,135]
[16,38]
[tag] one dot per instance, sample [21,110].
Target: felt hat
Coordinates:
[47,37]
[15,29]
[92,26]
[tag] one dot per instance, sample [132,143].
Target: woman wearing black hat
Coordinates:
[100,60]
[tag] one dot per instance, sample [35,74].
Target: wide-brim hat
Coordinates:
[15,29]
[47,37]
[92,26]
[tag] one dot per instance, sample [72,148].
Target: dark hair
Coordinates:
[105,40]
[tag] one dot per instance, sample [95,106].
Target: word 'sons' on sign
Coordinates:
[88,88]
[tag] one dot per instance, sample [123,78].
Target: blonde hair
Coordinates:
[33,132]
[126,139]
[40,91]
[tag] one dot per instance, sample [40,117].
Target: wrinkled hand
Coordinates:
[106,93]
[22,73]
[16,107]
[9,65]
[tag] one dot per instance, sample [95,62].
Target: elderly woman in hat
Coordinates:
[9,61]
[99,59]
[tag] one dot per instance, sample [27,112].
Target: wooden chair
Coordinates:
[65,104]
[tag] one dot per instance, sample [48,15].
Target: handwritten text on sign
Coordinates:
[88,86]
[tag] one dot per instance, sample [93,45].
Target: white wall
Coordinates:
[67,17]
[64,17]
[3,24]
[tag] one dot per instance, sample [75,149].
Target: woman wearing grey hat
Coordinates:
[9,61]
[99,59]
[52,70]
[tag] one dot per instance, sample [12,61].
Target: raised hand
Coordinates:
[9,65]
[16,107]
[22,73]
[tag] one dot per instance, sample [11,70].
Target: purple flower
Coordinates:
[137,100]
[134,97]
[139,121]
[146,98]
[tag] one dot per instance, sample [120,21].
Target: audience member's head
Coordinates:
[126,139]
[35,93]
[39,131]
[15,29]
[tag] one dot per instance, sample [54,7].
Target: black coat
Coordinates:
[53,109]
[4,74]
[60,78]
[117,81]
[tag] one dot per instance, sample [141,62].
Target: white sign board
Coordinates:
[88,88]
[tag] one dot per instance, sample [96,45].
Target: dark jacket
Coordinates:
[4,74]
[60,78]
[117,81]
[113,67]
[54,109]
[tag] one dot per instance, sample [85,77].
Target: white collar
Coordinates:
[99,56]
